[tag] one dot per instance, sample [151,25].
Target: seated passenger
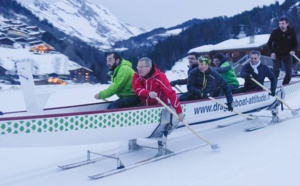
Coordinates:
[149,82]
[224,67]
[202,82]
[193,58]
[121,77]
[258,71]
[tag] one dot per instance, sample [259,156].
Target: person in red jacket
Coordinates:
[149,82]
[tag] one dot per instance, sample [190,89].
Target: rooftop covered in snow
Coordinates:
[247,43]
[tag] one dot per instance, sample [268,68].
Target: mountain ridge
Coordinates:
[94,24]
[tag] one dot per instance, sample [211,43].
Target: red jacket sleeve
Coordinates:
[170,93]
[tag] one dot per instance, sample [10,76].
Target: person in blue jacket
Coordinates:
[258,71]
[203,82]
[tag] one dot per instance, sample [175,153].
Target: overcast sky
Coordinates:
[166,13]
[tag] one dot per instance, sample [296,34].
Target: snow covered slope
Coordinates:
[91,23]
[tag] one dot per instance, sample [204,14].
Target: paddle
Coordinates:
[224,105]
[294,112]
[213,146]
[178,89]
[296,57]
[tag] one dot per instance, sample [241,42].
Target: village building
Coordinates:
[15,33]
[35,34]
[32,39]
[235,49]
[82,75]
[21,40]
[2,71]
[41,48]
[32,28]
[7,42]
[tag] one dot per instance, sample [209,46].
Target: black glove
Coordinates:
[173,83]
[248,76]
[201,95]
[229,106]
[272,93]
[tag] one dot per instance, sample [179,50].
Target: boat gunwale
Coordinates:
[9,118]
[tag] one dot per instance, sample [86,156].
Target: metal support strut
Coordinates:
[120,165]
[275,118]
[162,144]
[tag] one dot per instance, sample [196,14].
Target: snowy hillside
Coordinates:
[41,63]
[91,23]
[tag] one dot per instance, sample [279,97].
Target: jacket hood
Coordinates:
[126,62]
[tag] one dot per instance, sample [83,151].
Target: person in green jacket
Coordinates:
[121,77]
[225,69]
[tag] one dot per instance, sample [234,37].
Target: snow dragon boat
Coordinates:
[93,123]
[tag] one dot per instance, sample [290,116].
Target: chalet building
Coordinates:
[31,39]
[60,76]
[35,42]
[3,30]
[82,75]
[235,49]
[35,34]
[41,48]
[7,42]
[14,33]
[2,71]
[7,22]
[21,40]
[32,28]
[19,26]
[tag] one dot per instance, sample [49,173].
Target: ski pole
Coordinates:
[270,93]
[213,146]
[237,112]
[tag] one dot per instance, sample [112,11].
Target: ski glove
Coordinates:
[248,76]
[173,83]
[229,106]
[272,93]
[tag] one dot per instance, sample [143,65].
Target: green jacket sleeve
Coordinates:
[118,83]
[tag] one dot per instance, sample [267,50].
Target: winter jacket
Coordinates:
[184,81]
[263,72]
[201,84]
[157,82]
[227,72]
[281,43]
[121,81]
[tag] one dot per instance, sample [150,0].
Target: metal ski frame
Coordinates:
[168,124]
[142,162]
[274,118]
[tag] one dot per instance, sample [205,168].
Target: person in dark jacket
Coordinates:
[259,72]
[193,63]
[203,81]
[282,45]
